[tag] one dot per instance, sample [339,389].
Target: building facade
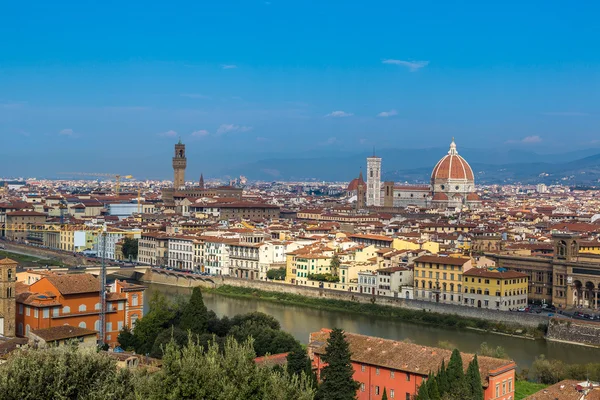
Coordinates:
[402,367]
[495,289]
[439,279]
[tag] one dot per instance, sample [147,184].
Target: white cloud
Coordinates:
[411,65]
[195,96]
[386,114]
[330,141]
[228,66]
[531,139]
[362,141]
[339,114]
[228,128]
[262,139]
[200,133]
[66,132]
[169,133]
[527,140]
[566,113]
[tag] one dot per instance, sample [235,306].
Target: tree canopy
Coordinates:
[336,377]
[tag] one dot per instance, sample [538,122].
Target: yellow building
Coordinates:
[439,279]
[589,247]
[495,289]
[301,263]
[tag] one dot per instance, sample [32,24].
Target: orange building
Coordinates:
[74,300]
[401,367]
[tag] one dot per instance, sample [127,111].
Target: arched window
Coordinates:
[9,274]
[27,328]
[97,325]
[82,308]
[82,324]
[66,309]
[97,306]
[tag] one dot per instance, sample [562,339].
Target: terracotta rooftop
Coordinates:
[62,332]
[563,390]
[442,260]
[7,261]
[408,357]
[74,284]
[494,274]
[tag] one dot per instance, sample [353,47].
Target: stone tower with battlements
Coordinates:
[179,164]
[8,278]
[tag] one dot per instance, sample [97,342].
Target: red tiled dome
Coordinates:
[452,166]
[353,185]
[473,197]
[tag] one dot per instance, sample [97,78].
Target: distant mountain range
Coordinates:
[415,165]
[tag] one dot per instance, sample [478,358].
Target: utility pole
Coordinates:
[103,288]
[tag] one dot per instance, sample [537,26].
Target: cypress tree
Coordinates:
[194,316]
[456,377]
[432,388]
[384,395]
[473,380]
[336,376]
[442,380]
[423,393]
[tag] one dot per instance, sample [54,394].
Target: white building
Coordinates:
[216,254]
[270,255]
[112,238]
[181,252]
[395,282]
[367,282]
[373,181]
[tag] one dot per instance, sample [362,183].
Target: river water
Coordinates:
[300,321]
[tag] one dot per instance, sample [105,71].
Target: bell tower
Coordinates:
[179,164]
[8,311]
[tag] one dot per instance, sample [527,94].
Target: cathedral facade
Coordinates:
[452,186]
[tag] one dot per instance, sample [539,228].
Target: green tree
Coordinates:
[277,274]
[266,339]
[423,393]
[432,388]
[334,265]
[489,351]
[442,379]
[178,336]
[384,395]
[162,314]
[127,339]
[456,376]
[64,373]
[130,248]
[473,380]
[336,376]
[194,315]
[193,372]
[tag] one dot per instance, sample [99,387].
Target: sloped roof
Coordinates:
[75,283]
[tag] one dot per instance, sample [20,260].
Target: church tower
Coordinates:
[8,277]
[179,164]
[373,181]
[201,183]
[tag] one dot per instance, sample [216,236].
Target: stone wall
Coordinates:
[509,318]
[65,257]
[575,331]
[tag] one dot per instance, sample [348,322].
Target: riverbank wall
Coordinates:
[508,318]
[64,257]
[574,331]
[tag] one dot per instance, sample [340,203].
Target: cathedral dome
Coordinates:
[452,167]
[354,183]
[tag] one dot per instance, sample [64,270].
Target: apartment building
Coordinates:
[494,288]
[440,278]
[181,252]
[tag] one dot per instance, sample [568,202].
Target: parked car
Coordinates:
[522,309]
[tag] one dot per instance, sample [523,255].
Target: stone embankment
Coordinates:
[64,257]
[183,280]
[574,331]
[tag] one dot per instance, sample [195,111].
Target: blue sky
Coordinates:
[110,86]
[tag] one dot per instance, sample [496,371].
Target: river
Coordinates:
[300,321]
